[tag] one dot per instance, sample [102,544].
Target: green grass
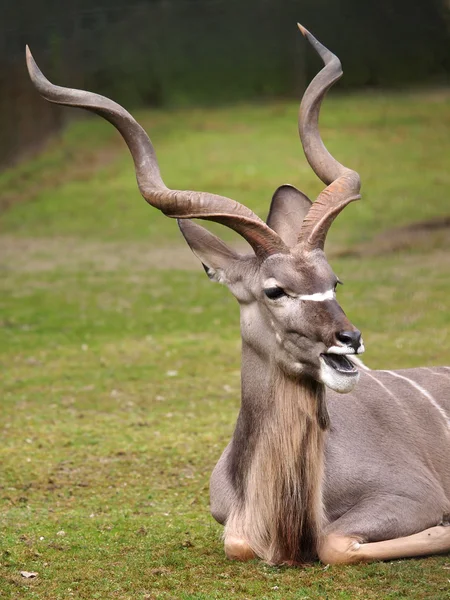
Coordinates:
[120,360]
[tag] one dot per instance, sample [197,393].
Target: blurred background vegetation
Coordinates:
[185,52]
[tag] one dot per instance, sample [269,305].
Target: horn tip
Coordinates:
[303,30]
[31,63]
[28,54]
[325,54]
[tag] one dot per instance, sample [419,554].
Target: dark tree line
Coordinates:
[166,52]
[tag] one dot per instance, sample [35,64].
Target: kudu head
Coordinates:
[285,287]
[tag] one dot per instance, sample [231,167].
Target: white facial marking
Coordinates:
[345,350]
[340,350]
[319,297]
[271,282]
[424,392]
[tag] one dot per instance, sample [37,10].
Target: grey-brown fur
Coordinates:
[275,466]
[388,456]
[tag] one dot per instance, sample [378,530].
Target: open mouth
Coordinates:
[340,363]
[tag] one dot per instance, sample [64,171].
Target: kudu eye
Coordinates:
[274,292]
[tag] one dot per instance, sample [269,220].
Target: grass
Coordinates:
[120,360]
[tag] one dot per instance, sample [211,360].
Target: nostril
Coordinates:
[350,338]
[345,337]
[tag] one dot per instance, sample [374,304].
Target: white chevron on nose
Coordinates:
[319,296]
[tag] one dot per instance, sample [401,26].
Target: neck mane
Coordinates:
[277,468]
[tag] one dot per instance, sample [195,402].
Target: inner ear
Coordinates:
[215,256]
[288,208]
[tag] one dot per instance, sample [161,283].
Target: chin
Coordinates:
[338,379]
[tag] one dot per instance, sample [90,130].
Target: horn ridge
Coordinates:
[343,184]
[173,203]
[324,165]
[141,148]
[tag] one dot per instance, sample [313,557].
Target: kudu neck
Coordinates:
[277,461]
[264,383]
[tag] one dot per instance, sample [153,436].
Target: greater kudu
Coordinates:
[289,487]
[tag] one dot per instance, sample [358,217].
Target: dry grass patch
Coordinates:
[34,255]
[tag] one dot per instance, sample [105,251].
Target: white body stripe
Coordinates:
[438,374]
[424,392]
[359,363]
[385,388]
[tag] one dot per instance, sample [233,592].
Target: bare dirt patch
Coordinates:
[421,236]
[34,255]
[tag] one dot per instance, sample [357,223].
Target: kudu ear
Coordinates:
[215,255]
[288,208]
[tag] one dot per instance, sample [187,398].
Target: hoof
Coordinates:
[238,549]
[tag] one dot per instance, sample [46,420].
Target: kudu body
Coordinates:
[308,472]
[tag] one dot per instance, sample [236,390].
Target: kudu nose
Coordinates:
[350,338]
